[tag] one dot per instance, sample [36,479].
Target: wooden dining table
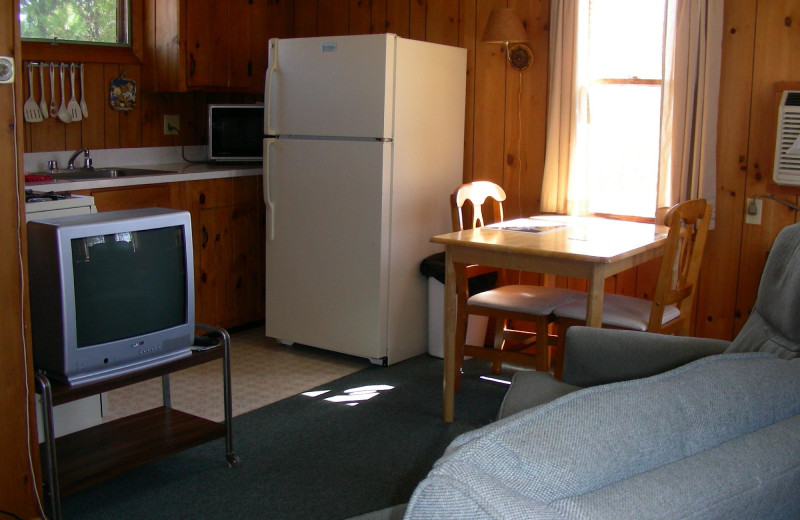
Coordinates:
[590,248]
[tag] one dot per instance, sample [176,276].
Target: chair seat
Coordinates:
[529,299]
[618,311]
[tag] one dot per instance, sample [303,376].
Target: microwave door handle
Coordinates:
[266,187]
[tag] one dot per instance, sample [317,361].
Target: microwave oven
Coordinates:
[235,132]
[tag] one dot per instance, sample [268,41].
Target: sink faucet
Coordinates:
[87,161]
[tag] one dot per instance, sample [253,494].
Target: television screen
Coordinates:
[137,265]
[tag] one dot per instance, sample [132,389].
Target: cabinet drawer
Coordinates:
[133,197]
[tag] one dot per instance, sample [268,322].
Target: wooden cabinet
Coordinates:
[228,228]
[209,44]
[227,235]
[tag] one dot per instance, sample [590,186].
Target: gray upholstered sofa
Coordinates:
[644,426]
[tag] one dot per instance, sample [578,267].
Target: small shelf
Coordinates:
[90,456]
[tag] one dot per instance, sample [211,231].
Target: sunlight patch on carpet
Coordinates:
[352,396]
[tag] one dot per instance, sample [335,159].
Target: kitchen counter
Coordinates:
[161,158]
[184,172]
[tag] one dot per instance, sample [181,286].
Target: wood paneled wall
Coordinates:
[760,40]
[506,116]
[17,481]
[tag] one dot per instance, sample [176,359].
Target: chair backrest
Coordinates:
[679,273]
[476,192]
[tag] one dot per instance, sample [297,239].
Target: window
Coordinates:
[98,22]
[619,75]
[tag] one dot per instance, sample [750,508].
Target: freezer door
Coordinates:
[334,86]
[326,278]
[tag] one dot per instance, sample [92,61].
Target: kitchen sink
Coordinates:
[107,173]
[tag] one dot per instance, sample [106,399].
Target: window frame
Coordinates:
[91,53]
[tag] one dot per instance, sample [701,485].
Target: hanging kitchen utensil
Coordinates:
[84,108]
[30,108]
[53,106]
[42,103]
[63,113]
[122,93]
[73,106]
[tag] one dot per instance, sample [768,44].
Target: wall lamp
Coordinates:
[505,26]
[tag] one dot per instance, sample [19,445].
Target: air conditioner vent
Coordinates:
[787,141]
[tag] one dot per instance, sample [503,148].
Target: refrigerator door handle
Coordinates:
[273,66]
[267,199]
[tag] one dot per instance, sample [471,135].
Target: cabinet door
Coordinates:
[247,225]
[214,291]
[200,42]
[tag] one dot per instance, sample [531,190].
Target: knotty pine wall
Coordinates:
[16,387]
[759,50]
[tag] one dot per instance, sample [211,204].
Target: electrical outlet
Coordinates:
[6,69]
[752,212]
[172,124]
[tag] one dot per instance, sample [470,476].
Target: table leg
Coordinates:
[450,302]
[594,301]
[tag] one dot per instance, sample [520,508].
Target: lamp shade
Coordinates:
[504,26]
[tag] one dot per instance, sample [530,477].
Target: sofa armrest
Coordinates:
[596,356]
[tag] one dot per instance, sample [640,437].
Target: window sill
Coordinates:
[66,52]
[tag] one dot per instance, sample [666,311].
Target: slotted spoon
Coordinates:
[42,104]
[30,108]
[63,113]
[84,108]
[53,106]
[73,106]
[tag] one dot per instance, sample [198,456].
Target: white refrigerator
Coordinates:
[364,142]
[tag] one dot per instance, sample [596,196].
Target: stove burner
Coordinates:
[41,196]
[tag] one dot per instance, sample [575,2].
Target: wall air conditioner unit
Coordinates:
[786,168]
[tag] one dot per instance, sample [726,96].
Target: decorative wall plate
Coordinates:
[122,93]
[520,57]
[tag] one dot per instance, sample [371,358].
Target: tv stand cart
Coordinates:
[90,456]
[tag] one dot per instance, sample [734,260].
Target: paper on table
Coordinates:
[528,225]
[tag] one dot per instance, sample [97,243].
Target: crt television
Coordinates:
[110,292]
[235,132]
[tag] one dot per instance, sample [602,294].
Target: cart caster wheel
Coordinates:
[233,461]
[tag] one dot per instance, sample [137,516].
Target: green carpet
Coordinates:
[307,457]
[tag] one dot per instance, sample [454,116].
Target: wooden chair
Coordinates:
[672,307]
[528,303]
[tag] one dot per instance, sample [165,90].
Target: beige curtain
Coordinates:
[693,45]
[562,110]
[693,41]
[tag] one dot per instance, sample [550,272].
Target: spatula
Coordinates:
[73,106]
[42,104]
[63,113]
[30,108]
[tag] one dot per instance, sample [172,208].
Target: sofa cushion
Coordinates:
[537,463]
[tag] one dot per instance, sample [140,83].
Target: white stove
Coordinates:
[40,205]
[89,411]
